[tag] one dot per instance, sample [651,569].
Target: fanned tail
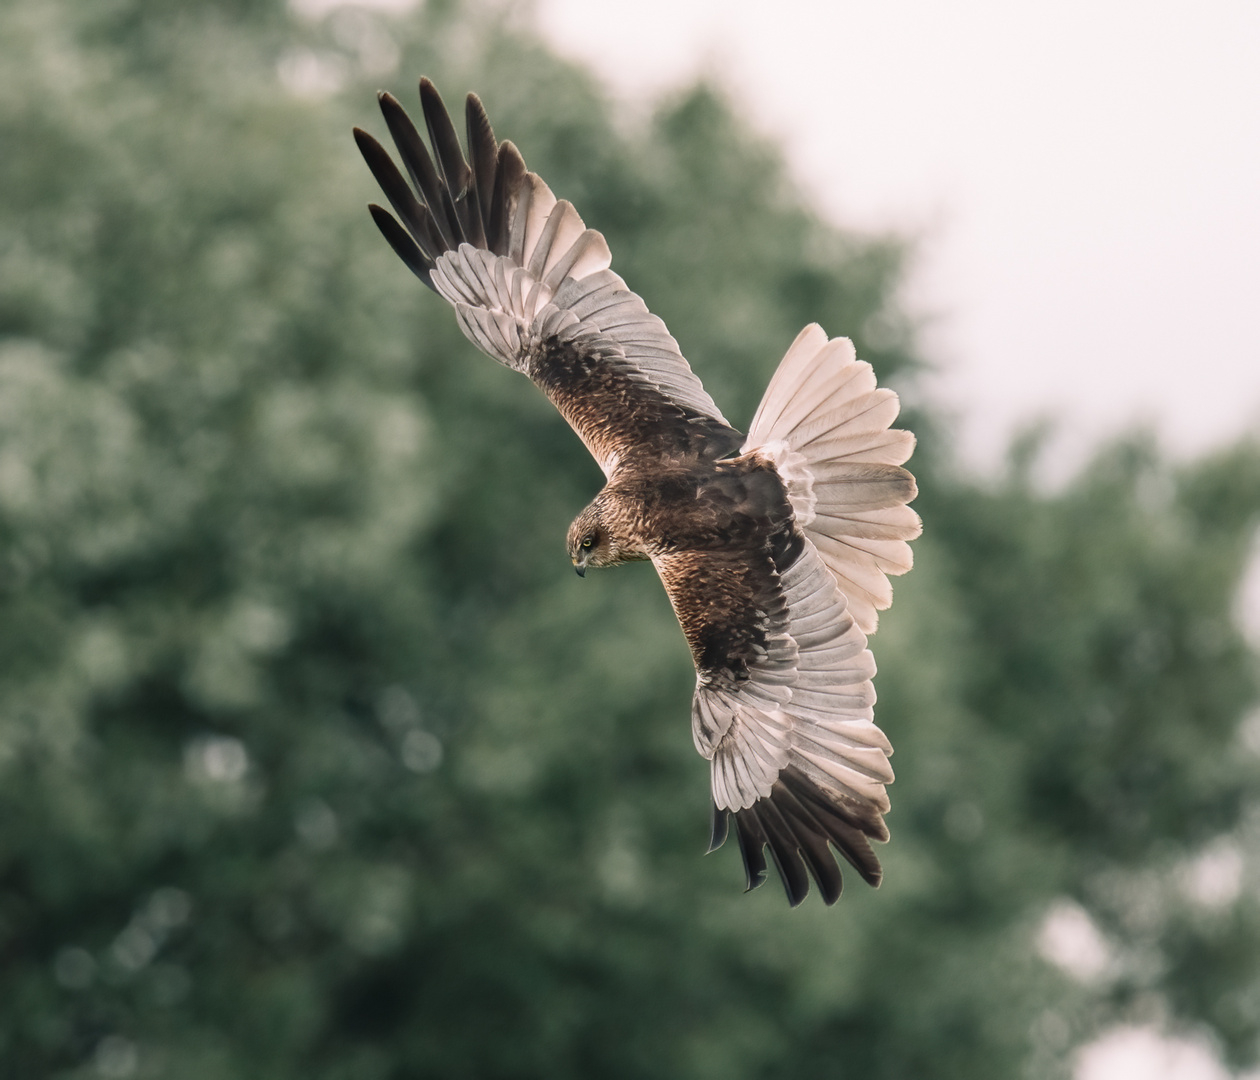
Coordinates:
[826,427]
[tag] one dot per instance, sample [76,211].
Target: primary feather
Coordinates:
[774,547]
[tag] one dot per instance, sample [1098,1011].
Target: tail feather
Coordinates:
[827,428]
[877,446]
[891,523]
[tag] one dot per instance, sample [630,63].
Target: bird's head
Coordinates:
[591,541]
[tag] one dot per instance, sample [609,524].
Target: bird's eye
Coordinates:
[588,542]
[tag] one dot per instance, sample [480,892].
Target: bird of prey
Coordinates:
[774,546]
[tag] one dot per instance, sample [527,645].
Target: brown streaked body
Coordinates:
[685,505]
[774,547]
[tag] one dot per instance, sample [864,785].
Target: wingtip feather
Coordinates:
[719,827]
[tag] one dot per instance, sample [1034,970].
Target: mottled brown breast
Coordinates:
[727,603]
[699,505]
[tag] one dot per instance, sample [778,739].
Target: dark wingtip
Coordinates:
[785,850]
[751,848]
[483,153]
[719,827]
[389,105]
[509,177]
[439,199]
[427,89]
[849,827]
[376,156]
[431,104]
[453,168]
[404,246]
[803,827]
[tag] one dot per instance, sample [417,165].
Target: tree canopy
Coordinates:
[316,759]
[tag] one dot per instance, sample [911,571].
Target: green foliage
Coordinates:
[316,760]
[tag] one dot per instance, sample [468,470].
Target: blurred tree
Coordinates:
[317,761]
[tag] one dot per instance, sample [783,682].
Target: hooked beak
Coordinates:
[580,567]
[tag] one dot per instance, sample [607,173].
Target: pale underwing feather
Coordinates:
[831,674]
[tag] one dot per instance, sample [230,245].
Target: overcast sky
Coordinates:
[1086,175]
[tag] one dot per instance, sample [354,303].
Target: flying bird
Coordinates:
[774,546]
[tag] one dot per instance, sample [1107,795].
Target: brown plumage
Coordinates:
[774,547]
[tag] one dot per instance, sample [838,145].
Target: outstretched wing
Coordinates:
[531,287]
[783,710]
